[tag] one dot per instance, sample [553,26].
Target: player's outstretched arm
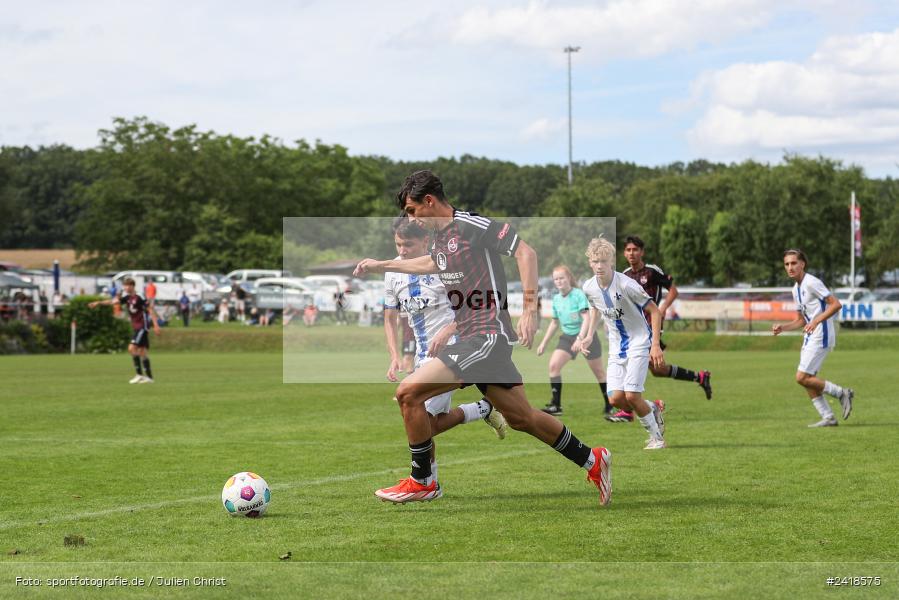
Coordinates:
[422,265]
[107,302]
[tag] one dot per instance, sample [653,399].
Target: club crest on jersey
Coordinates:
[452,245]
[618,296]
[441,261]
[644,279]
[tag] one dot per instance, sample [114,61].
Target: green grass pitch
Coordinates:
[746,502]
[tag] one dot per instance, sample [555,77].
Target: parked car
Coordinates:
[169,284]
[226,287]
[284,292]
[859,294]
[294,283]
[345,284]
[203,281]
[887,295]
[243,275]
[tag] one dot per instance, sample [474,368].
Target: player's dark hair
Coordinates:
[128,281]
[798,254]
[635,240]
[408,230]
[418,185]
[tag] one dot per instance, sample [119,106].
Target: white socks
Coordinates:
[433,470]
[823,407]
[471,411]
[649,423]
[832,389]
[475,410]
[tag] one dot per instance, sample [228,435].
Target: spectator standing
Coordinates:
[184,306]
[340,311]
[240,300]
[151,292]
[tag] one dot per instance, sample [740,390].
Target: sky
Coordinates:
[654,81]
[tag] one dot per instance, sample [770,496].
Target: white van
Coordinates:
[335,282]
[250,275]
[169,284]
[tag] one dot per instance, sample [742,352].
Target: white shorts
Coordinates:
[627,374]
[441,403]
[811,358]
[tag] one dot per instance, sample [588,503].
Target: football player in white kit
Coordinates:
[817,308]
[423,298]
[621,301]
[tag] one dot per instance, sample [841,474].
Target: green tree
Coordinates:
[212,247]
[37,191]
[147,204]
[519,191]
[726,243]
[683,243]
[586,198]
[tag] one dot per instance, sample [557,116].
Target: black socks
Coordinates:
[555,384]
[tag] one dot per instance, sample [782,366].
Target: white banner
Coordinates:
[870,311]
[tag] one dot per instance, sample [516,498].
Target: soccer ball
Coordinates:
[246,494]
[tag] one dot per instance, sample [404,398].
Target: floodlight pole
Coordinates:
[569,50]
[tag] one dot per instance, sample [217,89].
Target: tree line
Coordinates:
[156,197]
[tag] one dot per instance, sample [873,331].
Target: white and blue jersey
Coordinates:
[811,295]
[621,305]
[423,299]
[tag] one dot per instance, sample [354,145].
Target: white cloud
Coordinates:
[843,100]
[543,129]
[614,29]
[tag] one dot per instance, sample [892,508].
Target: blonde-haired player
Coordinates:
[621,301]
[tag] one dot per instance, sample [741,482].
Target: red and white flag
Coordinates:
[857,229]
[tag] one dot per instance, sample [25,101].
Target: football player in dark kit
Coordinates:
[140,312]
[465,254]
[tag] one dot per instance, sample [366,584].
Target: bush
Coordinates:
[58,334]
[18,337]
[97,329]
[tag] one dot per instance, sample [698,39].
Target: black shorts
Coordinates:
[482,360]
[141,339]
[566,341]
